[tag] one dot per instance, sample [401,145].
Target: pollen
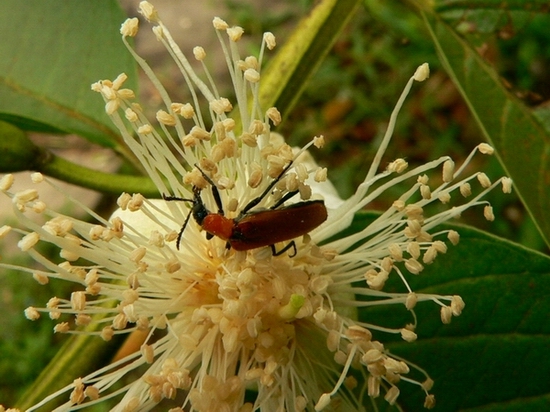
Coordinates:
[31,313]
[28,241]
[221,106]
[398,166]
[448,171]
[274,115]
[166,118]
[486,149]
[148,11]
[506,185]
[269,39]
[219,24]
[6,182]
[235,33]
[37,177]
[422,72]
[252,75]
[488,213]
[145,129]
[465,189]
[199,53]
[130,27]
[484,180]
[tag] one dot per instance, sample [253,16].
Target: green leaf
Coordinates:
[494,356]
[51,53]
[521,142]
[80,355]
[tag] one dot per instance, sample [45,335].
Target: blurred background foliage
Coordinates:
[348,100]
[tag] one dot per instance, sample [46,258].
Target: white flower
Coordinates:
[223,315]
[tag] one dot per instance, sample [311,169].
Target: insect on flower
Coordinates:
[255,229]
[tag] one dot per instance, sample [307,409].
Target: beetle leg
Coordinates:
[283,199]
[180,199]
[291,244]
[268,189]
[180,234]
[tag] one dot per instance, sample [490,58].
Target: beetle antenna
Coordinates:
[268,189]
[215,191]
[179,199]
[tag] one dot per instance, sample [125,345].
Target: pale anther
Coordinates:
[486,148]
[323,402]
[199,133]
[414,266]
[126,94]
[40,278]
[25,196]
[423,179]
[465,189]
[219,24]
[37,177]
[444,197]
[484,180]
[148,11]
[448,170]
[131,115]
[235,33]
[251,62]
[422,72]
[269,39]
[62,327]
[446,314]
[414,249]
[119,81]
[187,111]
[78,300]
[145,129]
[397,166]
[199,53]
[4,230]
[28,241]
[411,300]
[454,237]
[429,401]
[319,141]
[488,213]
[274,115]
[130,27]
[395,252]
[31,313]
[392,394]
[221,105]
[136,202]
[123,200]
[320,175]
[506,185]
[166,118]
[457,305]
[6,182]
[425,192]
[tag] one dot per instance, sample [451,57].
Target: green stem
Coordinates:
[62,169]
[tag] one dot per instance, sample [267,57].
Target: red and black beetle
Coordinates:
[255,229]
